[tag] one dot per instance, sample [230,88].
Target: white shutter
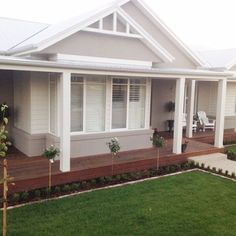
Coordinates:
[76,107]
[95,106]
[119,104]
[137,97]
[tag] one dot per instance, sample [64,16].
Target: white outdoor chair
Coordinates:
[205,122]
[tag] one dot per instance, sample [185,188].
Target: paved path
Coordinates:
[217,160]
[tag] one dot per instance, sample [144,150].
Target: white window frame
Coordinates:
[85,83]
[147,103]
[108,104]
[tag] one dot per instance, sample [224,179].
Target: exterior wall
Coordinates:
[207,97]
[31,145]
[181,61]
[6,95]
[22,98]
[34,145]
[163,91]
[129,140]
[99,45]
[39,103]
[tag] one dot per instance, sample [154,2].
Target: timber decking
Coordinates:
[32,172]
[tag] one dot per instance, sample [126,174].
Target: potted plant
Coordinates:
[170,107]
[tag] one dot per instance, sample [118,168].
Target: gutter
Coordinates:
[81,65]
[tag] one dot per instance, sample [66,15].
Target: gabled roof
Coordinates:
[15,31]
[60,31]
[225,58]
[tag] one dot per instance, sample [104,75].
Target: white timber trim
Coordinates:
[112,33]
[190,108]
[115,22]
[147,38]
[101,24]
[220,113]
[115,61]
[65,120]
[178,120]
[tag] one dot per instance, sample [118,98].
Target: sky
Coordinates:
[201,24]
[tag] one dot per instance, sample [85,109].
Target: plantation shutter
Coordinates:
[119,103]
[77,104]
[137,96]
[95,105]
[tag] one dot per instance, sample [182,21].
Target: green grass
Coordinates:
[193,203]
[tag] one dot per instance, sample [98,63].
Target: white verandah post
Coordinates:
[220,113]
[190,108]
[178,121]
[65,106]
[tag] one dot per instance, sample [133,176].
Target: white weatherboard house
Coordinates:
[107,73]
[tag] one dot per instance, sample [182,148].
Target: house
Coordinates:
[107,73]
[220,60]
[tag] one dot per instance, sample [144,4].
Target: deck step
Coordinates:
[217,160]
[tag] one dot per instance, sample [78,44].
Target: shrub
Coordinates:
[101,180]
[214,169]
[37,193]
[172,169]
[84,184]
[124,177]
[75,186]
[208,168]
[220,171]
[45,192]
[108,179]
[233,175]
[66,188]
[93,182]
[191,164]
[57,189]
[203,166]
[117,178]
[15,198]
[226,173]
[24,196]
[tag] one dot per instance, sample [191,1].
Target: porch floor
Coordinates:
[32,172]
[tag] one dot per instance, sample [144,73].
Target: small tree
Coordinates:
[51,153]
[114,147]
[4,144]
[157,142]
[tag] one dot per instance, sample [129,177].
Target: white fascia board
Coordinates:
[11,63]
[109,9]
[101,60]
[166,30]
[147,38]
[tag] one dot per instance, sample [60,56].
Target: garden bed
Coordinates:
[230,151]
[70,188]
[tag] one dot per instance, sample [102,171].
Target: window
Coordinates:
[95,105]
[119,103]
[88,99]
[77,99]
[53,104]
[128,103]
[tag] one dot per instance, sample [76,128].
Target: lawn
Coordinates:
[193,203]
